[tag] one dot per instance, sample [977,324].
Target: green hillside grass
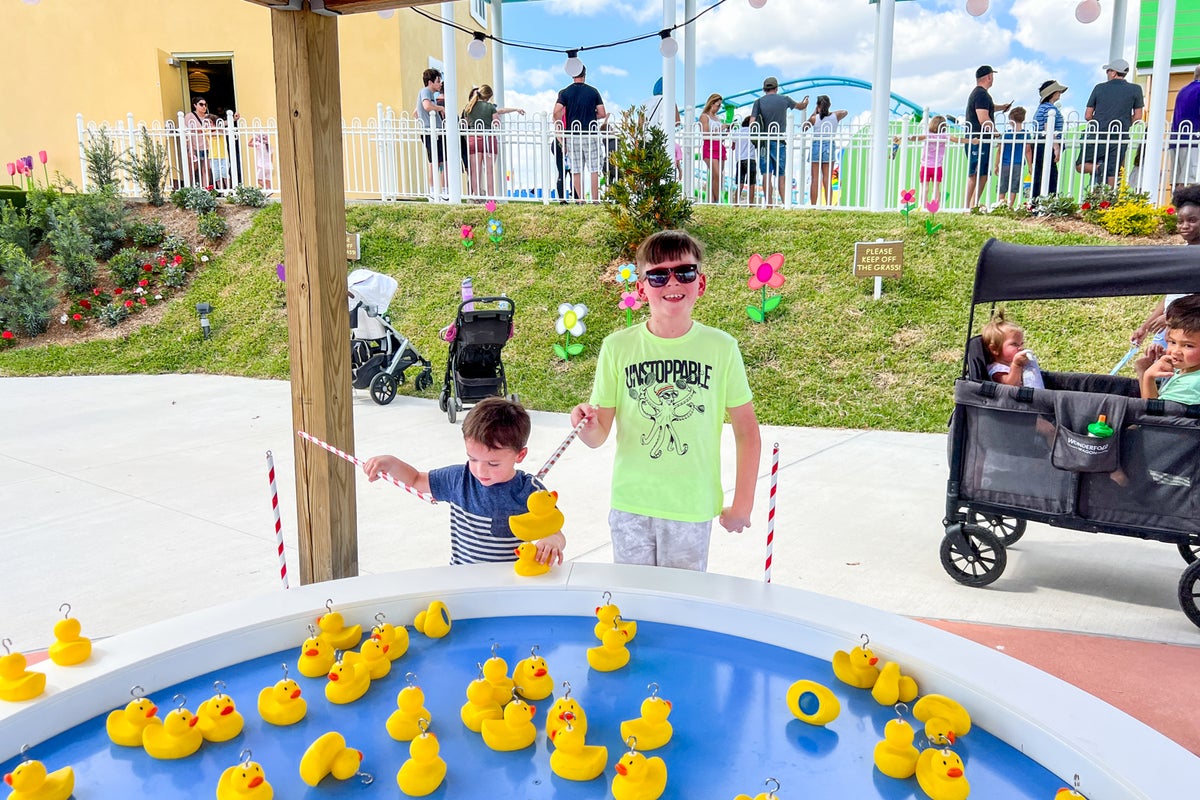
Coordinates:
[829,356]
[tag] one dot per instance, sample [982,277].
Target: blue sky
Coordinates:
[937,48]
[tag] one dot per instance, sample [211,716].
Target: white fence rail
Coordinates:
[386,159]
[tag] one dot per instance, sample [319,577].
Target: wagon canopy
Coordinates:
[1026,272]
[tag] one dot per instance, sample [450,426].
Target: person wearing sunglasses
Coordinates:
[667,385]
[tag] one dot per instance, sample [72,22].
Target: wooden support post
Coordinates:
[309,109]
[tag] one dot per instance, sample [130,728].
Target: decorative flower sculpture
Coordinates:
[495,230]
[764,273]
[932,228]
[570,322]
[490,206]
[468,236]
[281,272]
[627,273]
[908,201]
[630,303]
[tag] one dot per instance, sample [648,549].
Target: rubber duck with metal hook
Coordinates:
[69,647]
[767,795]
[125,725]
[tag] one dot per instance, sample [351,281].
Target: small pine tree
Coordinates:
[645,197]
[149,166]
[102,158]
[28,297]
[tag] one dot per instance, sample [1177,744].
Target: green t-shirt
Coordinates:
[1182,388]
[670,397]
[482,115]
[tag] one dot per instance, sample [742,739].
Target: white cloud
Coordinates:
[531,78]
[533,103]
[605,69]
[637,10]
[1051,28]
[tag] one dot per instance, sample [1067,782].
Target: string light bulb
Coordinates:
[1088,11]
[477,49]
[668,47]
[977,8]
[573,66]
[387,13]
[757,3]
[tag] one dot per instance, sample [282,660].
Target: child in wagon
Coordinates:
[1011,362]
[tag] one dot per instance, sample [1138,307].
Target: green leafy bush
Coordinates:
[14,227]
[212,225]
[1170,222]
[126,267]
[194,198]
[113,314]
[73,251]
[1054,205]
[174,277]
[41,204]
[1130,219]
[103,217]
[102,159]
[28,299]
[148,166]
[147,234]
[250,196]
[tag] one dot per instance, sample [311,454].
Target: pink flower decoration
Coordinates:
[466,231]
[908,196]
[765,272]
[933,205]
[629,301]
[490,205]
[42,156]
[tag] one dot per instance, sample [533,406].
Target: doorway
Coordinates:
[211,78]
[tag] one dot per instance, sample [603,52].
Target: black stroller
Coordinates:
[1020,454]
[379,354]
[474,369]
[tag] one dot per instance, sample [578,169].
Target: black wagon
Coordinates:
[1019,454]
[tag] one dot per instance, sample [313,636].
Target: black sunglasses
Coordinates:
[684,273]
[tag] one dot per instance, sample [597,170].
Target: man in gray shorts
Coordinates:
[577,111]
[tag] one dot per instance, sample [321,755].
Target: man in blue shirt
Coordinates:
[1185,133]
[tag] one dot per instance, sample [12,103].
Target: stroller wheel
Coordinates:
[981,562]
[444,399]
[451,411]
[383,388]
[1189,593]
[423,380]
[1009,529]
[1190,550]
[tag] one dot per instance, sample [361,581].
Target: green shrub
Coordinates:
[103,160]
[1130,219]
[113,314]
[212,225]
[40,207]
[1170,221]
[14,227]
[126,267]
[148,166]
[1054,205]
[179,197]
[195,198]
[74,252]
[103,217]
[250,196]
[174,277]
[28,299]
[147,234]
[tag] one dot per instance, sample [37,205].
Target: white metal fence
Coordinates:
[386,159]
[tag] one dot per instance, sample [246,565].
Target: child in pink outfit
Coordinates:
[933,156]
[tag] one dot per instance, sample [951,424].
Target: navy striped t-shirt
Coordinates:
[479,531]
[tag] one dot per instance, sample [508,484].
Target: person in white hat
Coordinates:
[1049,92]
[1111,108]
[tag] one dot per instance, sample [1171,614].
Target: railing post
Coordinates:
[79,133]
[181,144]
[547,176]
[789,137]
[1047,153]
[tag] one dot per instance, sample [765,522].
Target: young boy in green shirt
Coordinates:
[667,384]
[1180,365]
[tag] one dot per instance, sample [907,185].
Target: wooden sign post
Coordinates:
[878,260]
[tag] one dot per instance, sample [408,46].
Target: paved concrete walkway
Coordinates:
[138,498]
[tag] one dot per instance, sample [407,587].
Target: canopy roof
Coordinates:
[1025,272]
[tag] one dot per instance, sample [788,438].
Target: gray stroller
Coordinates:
[379,354]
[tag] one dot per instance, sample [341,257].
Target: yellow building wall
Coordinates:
[107,59]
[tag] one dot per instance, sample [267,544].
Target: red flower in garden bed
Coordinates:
[86,304]
[1086,207]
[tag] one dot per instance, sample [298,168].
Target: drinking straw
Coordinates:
[771,511]
[308,437]
[550,462]
[1125,359]
[278,525]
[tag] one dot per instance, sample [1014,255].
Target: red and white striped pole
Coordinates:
[562,448]
[771,511]
[278,525]
[308,437]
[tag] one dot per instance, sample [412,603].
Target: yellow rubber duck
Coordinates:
[813,703]
[527,565]
[945,719]
[334,630]
[495,672]
[531,677]
[651,729]
[639,778]
[542,519]
[481,704]
[125,725]
[245,781]
[347,682]
[515,731]
[768,795]
[218,719]
[1067,793]
[17,683]
[316,656]
[424,770]
[372,654]
[282,704]
[857,667]
[30,781]
[69,647]
[574,759]
[891,687]
[895,755]
[608,616]
[329,755]
[941,776]
[566,711]
[434,621]
[395,640]
[611,655]
[177,737]
[404,724]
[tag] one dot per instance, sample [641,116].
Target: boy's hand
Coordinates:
[1146,360]
[581,412]
[550,549]
[378,465]
[733,521]
[1163,368]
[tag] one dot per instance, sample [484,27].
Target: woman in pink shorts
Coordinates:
[712,150]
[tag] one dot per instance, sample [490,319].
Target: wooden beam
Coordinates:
[309,110]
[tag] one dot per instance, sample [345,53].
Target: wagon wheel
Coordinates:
[1190,549]
[1009,529]
[1189,593]
[383,388]
[983,562]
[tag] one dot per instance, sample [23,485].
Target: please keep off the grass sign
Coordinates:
[878,259]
